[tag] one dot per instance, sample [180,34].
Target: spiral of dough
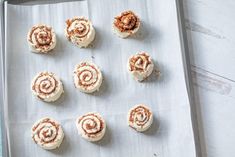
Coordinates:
[140,65]
[91,126]
[47,133]
[140,118]
[126,24]
[47,86]
[79,31]
[41,38]
[87,77]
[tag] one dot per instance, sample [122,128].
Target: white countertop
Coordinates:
[210,25]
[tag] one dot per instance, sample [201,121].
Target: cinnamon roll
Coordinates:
[47,86]
[41,38]
[91,126]
[47,133]
[140,66]
[87,77]
[140,118]
[126,24]
[79,31]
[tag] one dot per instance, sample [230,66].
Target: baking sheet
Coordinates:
[171,133]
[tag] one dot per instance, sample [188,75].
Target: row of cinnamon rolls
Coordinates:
[80,31]
[87,77]
[48,87]
[49,134]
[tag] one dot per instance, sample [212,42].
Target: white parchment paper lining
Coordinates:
[171,133]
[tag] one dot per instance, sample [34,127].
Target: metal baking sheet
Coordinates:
[168,95]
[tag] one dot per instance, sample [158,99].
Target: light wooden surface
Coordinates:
[210,27]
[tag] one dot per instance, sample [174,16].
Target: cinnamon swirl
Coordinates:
[87,77]
[140,66]
[91,126]
[47,133]
[126,24]
[47,86]
[140,118]
[41,38]
[79,31]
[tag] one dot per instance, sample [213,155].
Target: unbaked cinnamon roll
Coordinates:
[91,126]
[140,118]
[41,38]
[80,31]
[126,24]
[140,66]
[47,133]
[47,86]
[87,77]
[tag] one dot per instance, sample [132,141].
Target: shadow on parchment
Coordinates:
[153,130]
[106,139]
[145,32]
[63,149]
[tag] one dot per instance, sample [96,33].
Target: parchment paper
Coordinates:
[171,133]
